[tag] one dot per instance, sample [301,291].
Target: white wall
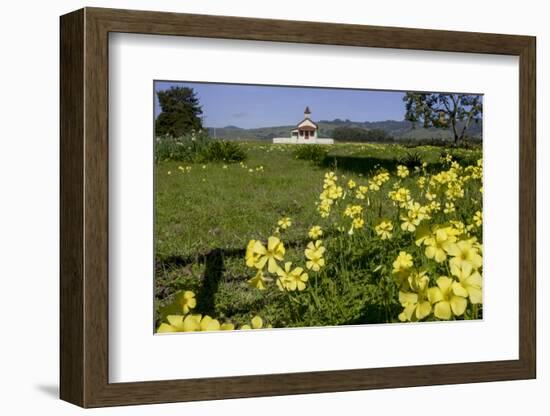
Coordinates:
[29,207]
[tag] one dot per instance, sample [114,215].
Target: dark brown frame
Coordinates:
[84,208]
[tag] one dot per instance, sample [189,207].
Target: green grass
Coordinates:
[204,218]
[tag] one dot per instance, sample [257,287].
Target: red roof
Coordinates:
[307,128]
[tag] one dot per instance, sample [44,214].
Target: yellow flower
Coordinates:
[470,281]
[358,223]
[384,229]
[478,219]
[275,251]
[192,323]
[402,171]
[175,324]
[257,322]
[291,279]
[188,301]
[251,255]
[353,210]
[402,196]
[315,232]
[180,323]
[228,326]
[434,206]
[436,244]
[330,176]
[416,304]
[449,208]
[415,214]
[314,253]
[284,223]
[402,266]
[258,281]
[403,261]
[209,324]
[464,255]
[447,298]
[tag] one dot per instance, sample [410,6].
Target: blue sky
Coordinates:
[250,106]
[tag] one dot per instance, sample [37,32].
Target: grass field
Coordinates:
[206,214]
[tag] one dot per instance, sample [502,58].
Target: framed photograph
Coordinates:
[255,207]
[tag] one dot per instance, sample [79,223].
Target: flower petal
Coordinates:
[442,310]
[458,305]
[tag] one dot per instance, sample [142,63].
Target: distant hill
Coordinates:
[399,130]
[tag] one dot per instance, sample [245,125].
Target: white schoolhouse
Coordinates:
[306,132]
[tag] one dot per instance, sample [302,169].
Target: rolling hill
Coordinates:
[399,130]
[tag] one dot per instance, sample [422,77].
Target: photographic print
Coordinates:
[291,206]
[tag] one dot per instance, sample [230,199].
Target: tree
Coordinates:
[180,114]
[455,111]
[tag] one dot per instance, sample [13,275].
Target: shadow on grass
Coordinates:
[369,165]
[199,258]
[213,274]
[374,314]
[357,164]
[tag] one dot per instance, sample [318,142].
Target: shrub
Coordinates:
[358,134]
[411,160]
[223,151]
[185,148]
[467,143]
[313,152]
[197,147]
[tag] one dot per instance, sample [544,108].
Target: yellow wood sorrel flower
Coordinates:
[402,268]
[258,281]
[416,304]
[314,253]
[470,281]
[403,262]
[464,254]
[207,323]
[402,171]
[255,323]
[447,298]
[436,244]
[275,251]
[291,279]
[180,323]
[284,223]
[384,229]
[188,301]
[478,219]
[415,214]
[251,257]
[315,232]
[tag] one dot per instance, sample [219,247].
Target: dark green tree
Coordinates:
[454,111]
[180,114]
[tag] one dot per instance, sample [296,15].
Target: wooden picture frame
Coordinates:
[84,207]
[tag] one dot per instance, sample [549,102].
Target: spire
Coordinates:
[307,112]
